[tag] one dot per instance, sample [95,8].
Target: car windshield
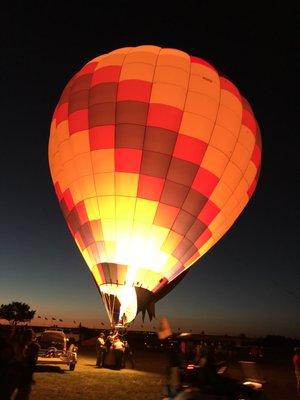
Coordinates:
[52,339]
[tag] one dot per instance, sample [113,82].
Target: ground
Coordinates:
[143,383]
[90,383]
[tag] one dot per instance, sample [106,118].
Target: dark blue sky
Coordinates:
[250,281]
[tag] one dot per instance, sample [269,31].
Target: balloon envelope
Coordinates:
[153,156]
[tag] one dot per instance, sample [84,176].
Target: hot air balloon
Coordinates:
[153,155]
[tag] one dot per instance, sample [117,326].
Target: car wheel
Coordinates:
[72,366]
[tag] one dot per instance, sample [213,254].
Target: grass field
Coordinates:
[143,383]
[90,383]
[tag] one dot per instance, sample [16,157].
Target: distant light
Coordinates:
[255,385]
[184,334]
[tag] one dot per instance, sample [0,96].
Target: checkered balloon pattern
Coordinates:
[153,155]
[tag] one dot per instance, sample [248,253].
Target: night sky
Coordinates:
[250,281]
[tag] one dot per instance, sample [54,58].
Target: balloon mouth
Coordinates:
[120,302]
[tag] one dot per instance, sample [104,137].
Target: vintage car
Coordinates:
[55,350]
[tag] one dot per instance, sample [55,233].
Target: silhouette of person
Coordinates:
[128,355]
[119,349]
[296,362]
[101,350]
[11,370]
[30,355]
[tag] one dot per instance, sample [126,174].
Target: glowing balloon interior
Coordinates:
[153,156]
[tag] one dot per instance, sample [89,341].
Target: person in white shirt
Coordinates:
[119,350]
[100,350]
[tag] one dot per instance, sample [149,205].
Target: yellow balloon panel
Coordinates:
[153,155]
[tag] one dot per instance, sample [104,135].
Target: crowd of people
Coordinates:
[183,353]
[18,357]
[113,351]
[198,367]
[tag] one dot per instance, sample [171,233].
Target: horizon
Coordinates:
[177,324]
[150,329]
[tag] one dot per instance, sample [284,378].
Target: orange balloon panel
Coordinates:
[153,156]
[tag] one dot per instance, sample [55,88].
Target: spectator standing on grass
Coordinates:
[207,374]
[101,350]
[296,361]
[119,350]
[128,355]
[11,369]
[174,362]
[29,359]
[71,344]
[110,339]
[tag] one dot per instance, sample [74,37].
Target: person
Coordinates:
[123,320]
[254,352]
[110,354]
[173,353]
[72,351]
[101,350]
[30,356]
[119,349]
[110,339]
[296,362]
[207,373]
[11,370]
[128,355]
[71,344]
